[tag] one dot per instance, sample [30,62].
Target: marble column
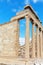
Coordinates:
[17,38]
[27,38]
[33,41]
[37,37]
[41,42]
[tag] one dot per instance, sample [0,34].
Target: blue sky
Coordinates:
[9,8]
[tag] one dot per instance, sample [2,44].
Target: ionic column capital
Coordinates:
[27,16]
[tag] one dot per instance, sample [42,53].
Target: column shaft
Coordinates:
[27,38]
[41,42]
[33,41]
[17,38]
[37,35]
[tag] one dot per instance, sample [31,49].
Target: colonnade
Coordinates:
[29,14]
[39,34]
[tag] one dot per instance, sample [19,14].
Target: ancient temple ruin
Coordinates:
[11,53]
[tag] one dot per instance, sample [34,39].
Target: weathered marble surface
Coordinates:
[8,39]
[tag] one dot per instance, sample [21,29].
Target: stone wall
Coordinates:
[8,39]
